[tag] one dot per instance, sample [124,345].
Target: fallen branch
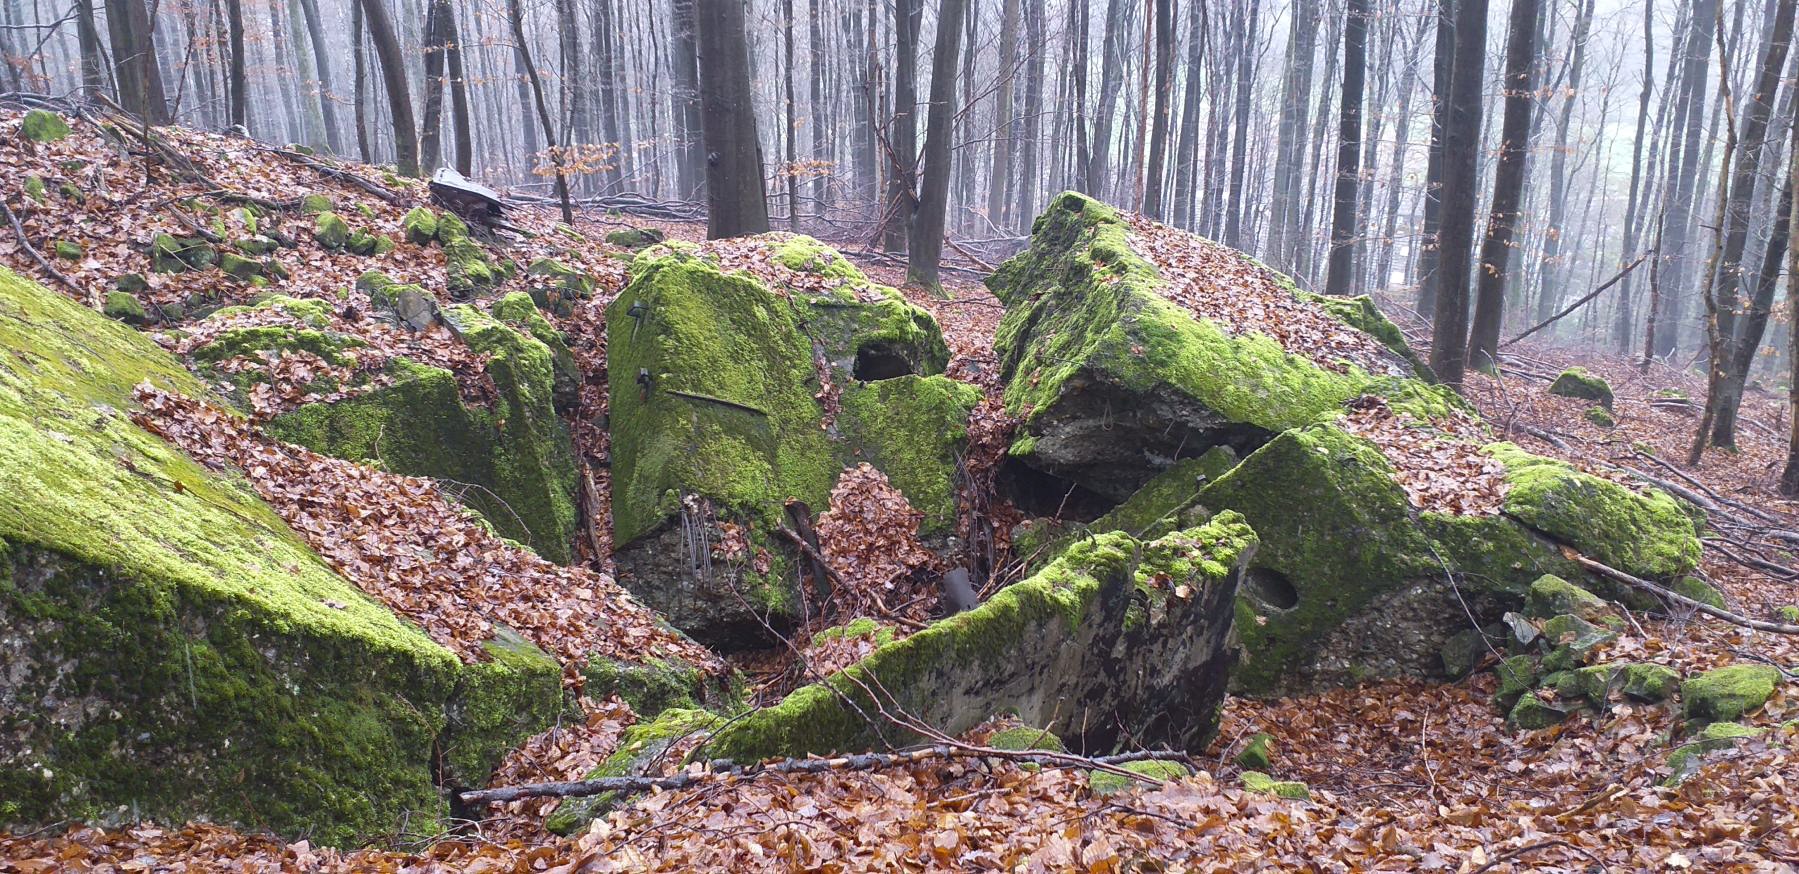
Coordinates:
[387,194]
[37,256]
[1583,301]
[1613,573]
[725,770]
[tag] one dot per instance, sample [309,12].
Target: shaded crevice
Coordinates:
[877,361]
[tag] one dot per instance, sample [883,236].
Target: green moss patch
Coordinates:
[1728,693]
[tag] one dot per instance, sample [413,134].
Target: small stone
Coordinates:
[1107,783]
[240,267]
[1789,615]
[314,204]
[34,187]
[1260,783]
[360,243]
[43,126]
[415,308]
[1648,682]
[256,245]
[420,225]
[68,250]
[383,244]
[331,231]
[1727,693]
[1576,382]
[1255,755]
[131,283]
[1592,684]
[450,228]
[1715,737]
[635,238]
[1552,596]
[1573,641]
[1517,675]
[1600,416]
[1699,590]
[1532,713]
[1024,737]
[125,307]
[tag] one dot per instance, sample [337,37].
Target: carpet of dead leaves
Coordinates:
[398,539]
[1438,463]
[1242,297]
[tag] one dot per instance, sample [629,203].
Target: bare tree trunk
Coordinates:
[1789,478]
[517,16]
[791,171]
[1154,181]
[357,81]
[1621,327]
[690,153]
[1110,81]
[737,201]
[1005,135]
[1246,44]
[1683,184]
[465,159]
[312,109]
[136,69]
[87,33]
[1442,73]
[1550,271]
[926,247]
[393,77]
[1461,143]
[1290,147]
[437,43]
[902,137]
[1737,218]
[1186,153]
[1716,357]
[1341,270]
[1508,185]
[1025,182]
[238,83]
[821,153]
[315,30]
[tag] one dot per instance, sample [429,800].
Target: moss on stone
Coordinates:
[450,228]
[239,267]
[1649,682]
[1715,737]
[1551,595]
[1699,590]
[467,270]
[1108,783]
[170,254]
[643,746]
[1037,644]
[1262,784]
[634,238]
[1024,737]
[1643,533]
[1257,753]
[517,458]
[1571,642]
[515,694]
[1600,416]
[420,225]
[1532,713]
[175,651]
[1789,615]
[1576,382]
[316,204]
[655,685]
[912,428]
[556,287]
[34,187]
[1359,312]
[43,126]
[1727,693]
[125,307]
[520,311]
[330,231]
[1517,674]
[68,250]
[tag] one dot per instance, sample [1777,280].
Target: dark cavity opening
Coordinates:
[1036,493]
[1271,587]
[880,361]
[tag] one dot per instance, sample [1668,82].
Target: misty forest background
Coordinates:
[1484,166]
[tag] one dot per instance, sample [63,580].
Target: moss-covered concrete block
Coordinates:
[1727,693]
[1116,639]
[239,267]
[518,454]
[125,307]
[515,694]
[1576,382]
[520,311]
[655,685]
[173,650]
[1532,713]
[719,415]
